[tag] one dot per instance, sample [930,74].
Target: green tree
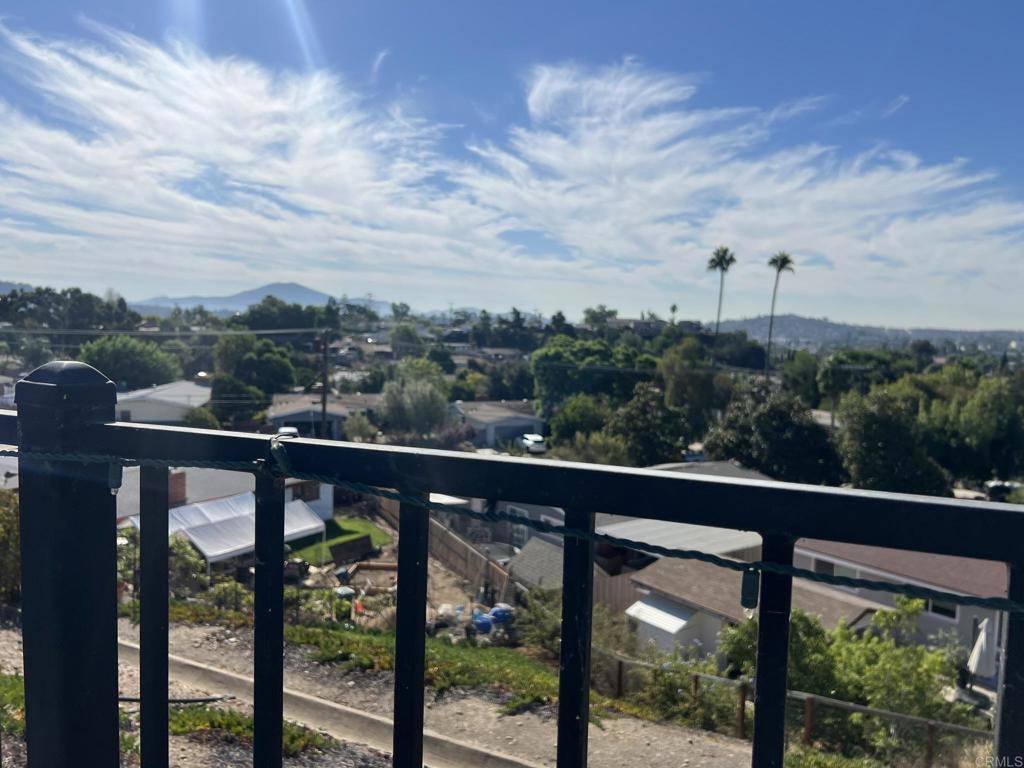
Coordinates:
[594,448]
[359,429]
[185,567]
[721,260]
[421,369]
[880,449]
[267,367]
[131,363]
[229,351]
[780,262]
[400,311]
[413,406]
[879,667]
[10,547]
[35,351]
[773,433]
[800,377]
[579,414]
[442,357]
[234,400]
[689,382]
[653,432]
[201,418]
[406,342]
[598,317]
[992,425]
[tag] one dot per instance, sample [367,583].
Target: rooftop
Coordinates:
[493,411]
[716,590]
[182,392]
[958,574]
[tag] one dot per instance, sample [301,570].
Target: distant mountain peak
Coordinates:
[291,293]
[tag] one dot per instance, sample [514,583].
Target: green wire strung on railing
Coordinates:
[278,463]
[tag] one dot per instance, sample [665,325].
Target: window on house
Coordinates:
[939,608]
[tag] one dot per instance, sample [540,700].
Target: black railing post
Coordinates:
[268,623]
[1010,722]
[772,655]
[68,571]
[153,504]
[574,664]
[410,634]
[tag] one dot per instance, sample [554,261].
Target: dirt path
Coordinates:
[469,716]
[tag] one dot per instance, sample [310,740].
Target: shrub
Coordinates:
[235,725]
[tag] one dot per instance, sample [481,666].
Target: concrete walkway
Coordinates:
[341,722]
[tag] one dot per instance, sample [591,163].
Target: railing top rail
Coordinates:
[984,530]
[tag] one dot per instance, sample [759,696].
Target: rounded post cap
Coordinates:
[65,381]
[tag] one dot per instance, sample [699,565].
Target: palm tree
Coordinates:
[780,262]
[721,259]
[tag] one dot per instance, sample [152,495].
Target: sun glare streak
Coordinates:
[298,14]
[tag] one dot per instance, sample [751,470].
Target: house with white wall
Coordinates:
[684,604]
[162,404]
[961,575]
[497,422]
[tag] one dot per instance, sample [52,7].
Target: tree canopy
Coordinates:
[880,448]
[131,363]
[773,433]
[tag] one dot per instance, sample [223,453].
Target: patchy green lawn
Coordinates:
[339,530]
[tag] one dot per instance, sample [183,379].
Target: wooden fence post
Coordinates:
[741,712]
[808,719]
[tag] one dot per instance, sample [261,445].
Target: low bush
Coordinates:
[236,725]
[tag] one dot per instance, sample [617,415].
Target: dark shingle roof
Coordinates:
[717,590]
[984,578]
[538,564]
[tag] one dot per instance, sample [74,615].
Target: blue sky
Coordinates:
[550,155]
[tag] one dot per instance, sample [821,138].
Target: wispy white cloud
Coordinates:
[895,106]
[378,61]
[154,167]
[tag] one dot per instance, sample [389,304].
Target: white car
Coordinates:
[534,444]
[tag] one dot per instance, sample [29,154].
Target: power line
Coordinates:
[144,334]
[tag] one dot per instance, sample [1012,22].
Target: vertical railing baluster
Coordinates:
[68,571]
[268,631]
[772,655]
[410,634]
[153,505]
[1010,723]
[574,665]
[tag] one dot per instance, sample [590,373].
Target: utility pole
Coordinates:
[323,389]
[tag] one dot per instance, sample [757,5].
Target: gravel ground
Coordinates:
[470,716]
[194,750]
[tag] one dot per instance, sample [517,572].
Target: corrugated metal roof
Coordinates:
[661,613]
[225,528]
[715,541]
[182,392]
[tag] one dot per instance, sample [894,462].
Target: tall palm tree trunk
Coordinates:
[721,290]
[771,325]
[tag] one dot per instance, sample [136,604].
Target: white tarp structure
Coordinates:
[979,653]
[660,613]
[224,528]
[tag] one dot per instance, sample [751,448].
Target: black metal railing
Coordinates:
[68,564]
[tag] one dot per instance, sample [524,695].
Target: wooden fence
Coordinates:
[812,704]
[459,556]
